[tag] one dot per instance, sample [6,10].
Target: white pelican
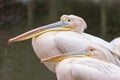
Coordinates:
[63,37]
[84,66]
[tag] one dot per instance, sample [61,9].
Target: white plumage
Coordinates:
[116,43]
[54,43]
[86,69]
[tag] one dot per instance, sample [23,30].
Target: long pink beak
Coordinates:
[39,31]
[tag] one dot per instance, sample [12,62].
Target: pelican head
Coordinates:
[89,52]
[75,22]
[66,23]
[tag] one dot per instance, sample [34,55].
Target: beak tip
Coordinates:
[9,41]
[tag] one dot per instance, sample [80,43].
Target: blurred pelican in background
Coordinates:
[116,43]
[64,36]
[90,64]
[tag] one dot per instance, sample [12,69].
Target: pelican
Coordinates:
[90,64]
[64,36]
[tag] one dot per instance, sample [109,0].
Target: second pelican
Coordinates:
[92,65]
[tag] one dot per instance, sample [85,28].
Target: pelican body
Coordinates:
[86,69]
[62,37]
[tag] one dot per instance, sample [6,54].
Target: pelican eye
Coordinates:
[92,49]
[69,20]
